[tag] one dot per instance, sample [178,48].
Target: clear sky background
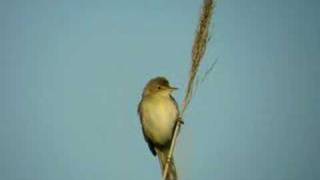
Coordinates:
[72,73]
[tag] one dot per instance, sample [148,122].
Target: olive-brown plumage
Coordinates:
[158,113]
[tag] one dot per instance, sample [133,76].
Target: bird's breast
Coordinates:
[160,114]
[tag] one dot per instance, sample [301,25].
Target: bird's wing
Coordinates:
[150,144]
[178,114]
[176,104]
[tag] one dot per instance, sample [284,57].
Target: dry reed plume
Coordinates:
[198,50]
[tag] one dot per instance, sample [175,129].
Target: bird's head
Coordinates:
[158,86]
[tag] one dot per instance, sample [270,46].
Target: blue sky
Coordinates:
[72,73]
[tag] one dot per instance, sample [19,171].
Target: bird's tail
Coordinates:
[162,155]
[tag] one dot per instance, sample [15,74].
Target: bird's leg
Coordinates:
[179,119]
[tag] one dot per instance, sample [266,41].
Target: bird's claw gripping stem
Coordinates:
[179,119]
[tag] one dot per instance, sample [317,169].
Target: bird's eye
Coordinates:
[159,87]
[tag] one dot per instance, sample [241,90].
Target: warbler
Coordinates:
[159,113]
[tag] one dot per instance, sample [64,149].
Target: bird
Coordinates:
[159,114]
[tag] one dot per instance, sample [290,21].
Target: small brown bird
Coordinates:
[159,114]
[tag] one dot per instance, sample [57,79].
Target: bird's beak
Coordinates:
[173,88]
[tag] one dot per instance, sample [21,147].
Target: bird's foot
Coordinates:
[179,119]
